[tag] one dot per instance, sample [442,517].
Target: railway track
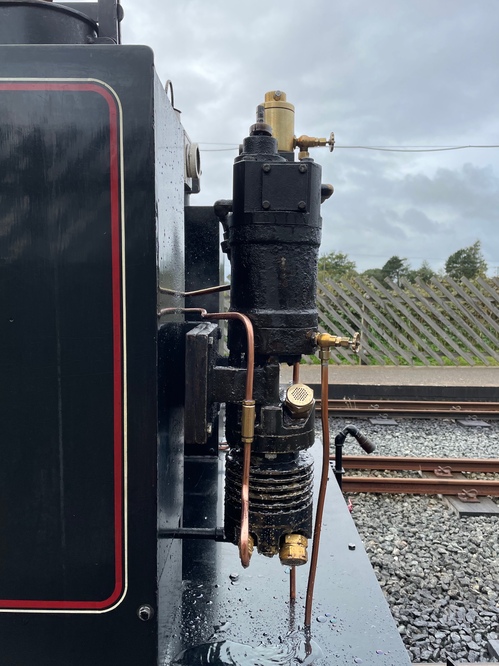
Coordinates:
[428,408]
[440,476]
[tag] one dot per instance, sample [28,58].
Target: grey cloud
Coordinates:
[375,73]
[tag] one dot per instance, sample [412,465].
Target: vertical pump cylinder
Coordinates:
[273,237]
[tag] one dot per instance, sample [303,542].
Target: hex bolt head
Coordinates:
[302,205]
[266,204]
[266,168]
[145,612]
[303,168]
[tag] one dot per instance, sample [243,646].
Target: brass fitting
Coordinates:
[293,550]
[325,340]
[299,400]
[280,115]
[248,421]
[305,142]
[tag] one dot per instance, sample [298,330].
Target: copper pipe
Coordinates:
[168,311]
[292,573]
[197,292]
[292,584]
[244,547]
[250,358]
[322,490]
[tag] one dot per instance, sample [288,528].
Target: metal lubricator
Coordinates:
[280,115]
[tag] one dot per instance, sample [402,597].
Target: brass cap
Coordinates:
[299,400]
[280,115]
[293,550]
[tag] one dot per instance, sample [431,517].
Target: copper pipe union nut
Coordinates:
[293,552]
[248,421]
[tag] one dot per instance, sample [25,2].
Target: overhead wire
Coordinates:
[388,149]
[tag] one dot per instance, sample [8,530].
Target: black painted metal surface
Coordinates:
[38,22]
[58,313]
[274,235]
[84,223]
[280,499]
[226,609]
[202,257]
[108,14]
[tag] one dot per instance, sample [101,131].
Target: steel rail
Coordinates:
[485,465]
[375,484]
[425,407]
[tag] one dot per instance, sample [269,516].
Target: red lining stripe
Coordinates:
[117,355]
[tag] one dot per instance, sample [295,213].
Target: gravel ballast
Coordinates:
[439,573]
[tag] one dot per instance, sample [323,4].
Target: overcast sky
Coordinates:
[384,73]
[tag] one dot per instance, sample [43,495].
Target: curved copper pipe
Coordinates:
[244,549]
[250,359]
[322,492]
[197,292]
[250,336]
[167,311]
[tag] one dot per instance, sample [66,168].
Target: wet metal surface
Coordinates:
[234,616]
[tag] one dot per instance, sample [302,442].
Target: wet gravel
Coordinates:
[439,573]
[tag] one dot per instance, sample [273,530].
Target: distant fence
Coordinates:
[444,322]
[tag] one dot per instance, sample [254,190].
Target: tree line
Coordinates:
[468,262]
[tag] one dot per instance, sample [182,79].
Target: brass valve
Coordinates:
[305,142]
[325,341]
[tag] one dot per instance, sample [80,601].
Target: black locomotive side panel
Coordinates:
[62,350]
[78,356]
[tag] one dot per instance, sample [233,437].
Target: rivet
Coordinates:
[266,168]
[145,612]
[266,204]
[302,205]
[303,168]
